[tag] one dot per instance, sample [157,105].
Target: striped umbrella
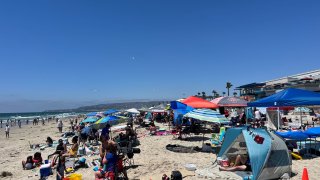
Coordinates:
[207,115]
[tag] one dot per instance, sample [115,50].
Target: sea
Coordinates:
[32,115]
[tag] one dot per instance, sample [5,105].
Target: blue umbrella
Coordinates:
[101,123]
[110,111]
[92,114]
[90,120]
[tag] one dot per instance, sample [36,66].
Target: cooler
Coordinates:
[45,170]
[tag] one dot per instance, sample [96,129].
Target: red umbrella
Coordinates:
[196,102]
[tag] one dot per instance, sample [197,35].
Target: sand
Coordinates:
[153,161]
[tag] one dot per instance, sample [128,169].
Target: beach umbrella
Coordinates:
[294,135]
[110,111]
[92,114]
[90,120]
[133,111]
[101,123]
[207,115]
[229,102]
[196,102]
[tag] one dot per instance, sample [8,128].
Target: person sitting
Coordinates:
[72,152]
[242,163]
[153,129]
[28,164]
[49,141]
[37,159]
[109,163]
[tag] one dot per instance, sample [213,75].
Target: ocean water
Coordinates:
[5,116]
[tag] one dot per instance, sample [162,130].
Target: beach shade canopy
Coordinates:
[101,123]
[207,115]
[229,102]
[288,97]
[196,102]
[283,108]
[90,120]
[92,114]
[133,111]
[269,158]
[313,132]
[110,111]
[179,109]
[294,135]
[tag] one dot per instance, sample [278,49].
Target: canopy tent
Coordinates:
[133,111]
[269,159]
[101,123]
[294,135]
[229,102]
[196,102]
[110,111]
[288,97]
[90,120]
[92,114]
[313,132]
[207,115]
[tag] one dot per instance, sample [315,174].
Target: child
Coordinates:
[61,167]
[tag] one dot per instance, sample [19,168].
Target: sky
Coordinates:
[65,54]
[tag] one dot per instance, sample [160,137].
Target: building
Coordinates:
[308,81]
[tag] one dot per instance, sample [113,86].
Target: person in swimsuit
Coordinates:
[242,163]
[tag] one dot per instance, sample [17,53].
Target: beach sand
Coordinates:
[153,161]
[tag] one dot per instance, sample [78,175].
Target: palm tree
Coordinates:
[223,93]
[228,86]
[235,94]
[203,94]
[214,92]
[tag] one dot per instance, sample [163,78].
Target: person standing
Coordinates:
[60,125]
[7,130]
[19,123]
[1,123]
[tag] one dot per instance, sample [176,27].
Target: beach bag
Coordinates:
[176,175]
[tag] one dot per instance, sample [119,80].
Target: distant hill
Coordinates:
[120,106]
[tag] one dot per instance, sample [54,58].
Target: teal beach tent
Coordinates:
[269,159]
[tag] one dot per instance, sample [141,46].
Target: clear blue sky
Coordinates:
[59,54]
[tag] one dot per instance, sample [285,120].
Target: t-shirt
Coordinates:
[112,160]
[257,114]
[7,128]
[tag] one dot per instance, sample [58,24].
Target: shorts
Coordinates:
[29,166]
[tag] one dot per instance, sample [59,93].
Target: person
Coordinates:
[153,129]
[60,148]
[61,167]
[130,120]
[7,130]
[19,123]
[49,141]
[37,159]
[28,164]
[60,125]
[257,115]
[109,163]
[242,163]
[105,132]
[27,121]
[43,123]
[1,123]
[72,152]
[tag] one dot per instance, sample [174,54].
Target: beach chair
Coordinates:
[216,139]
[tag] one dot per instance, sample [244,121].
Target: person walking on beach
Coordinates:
[60,125]
[27,121]
[19,123]
[7,130]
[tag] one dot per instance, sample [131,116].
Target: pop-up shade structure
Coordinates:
[179,110]
[196,102]
[229,102]
[269,159]
[133,111]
